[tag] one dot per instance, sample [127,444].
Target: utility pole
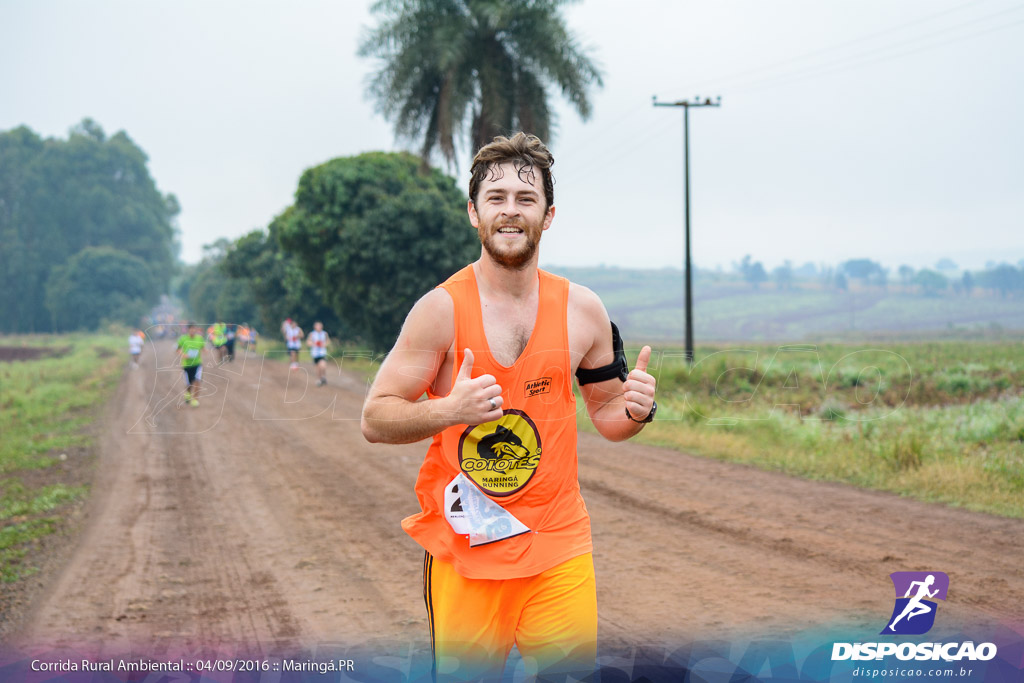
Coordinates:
[687,276]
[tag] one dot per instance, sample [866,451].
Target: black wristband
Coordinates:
[650,415]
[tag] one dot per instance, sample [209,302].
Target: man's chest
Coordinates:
[508,329]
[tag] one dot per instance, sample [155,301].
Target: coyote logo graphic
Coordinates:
[503,443]
[501,456]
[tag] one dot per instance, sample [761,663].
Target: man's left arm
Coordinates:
[607,401]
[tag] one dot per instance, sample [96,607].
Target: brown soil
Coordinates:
[15,353]
[261,521]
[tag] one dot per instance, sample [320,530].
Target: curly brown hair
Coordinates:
[526,152]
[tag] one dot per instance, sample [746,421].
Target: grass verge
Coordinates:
[941,422]
[46,404]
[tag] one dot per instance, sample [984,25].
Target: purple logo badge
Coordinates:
[914,611]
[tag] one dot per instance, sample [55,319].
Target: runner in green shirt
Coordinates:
[218,337]
[190,350]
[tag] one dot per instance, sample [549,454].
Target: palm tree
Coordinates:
[482,67]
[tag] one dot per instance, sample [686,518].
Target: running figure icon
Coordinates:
[915,607]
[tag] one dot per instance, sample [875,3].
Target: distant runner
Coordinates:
[135,342]
[293,340]
[247,334]
[190,350]
[230,331]
[217,334]
[318,341]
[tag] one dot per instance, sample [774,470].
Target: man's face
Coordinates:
[319,327]
[509,215]
[194,330]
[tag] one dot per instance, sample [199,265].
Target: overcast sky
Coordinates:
[875,128]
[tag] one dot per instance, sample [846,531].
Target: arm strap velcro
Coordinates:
[617,368]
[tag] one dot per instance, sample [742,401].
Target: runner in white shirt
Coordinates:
[318,341]
[293,340]
[135,343]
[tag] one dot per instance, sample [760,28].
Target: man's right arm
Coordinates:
[393,411]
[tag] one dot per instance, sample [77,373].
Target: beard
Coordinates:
[511,257]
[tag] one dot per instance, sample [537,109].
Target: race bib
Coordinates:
[192,353]
[471,513]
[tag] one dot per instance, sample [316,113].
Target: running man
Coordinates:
[495,348]
[135,342]
[318,341]
[230,331]
[190,350]
[915,607]
[293,340]
[217,334]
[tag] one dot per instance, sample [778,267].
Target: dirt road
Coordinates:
[261,521]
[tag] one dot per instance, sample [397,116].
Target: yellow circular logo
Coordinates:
[501,456]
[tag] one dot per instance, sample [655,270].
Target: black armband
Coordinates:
[617,368]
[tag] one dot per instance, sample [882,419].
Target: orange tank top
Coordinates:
[525,462]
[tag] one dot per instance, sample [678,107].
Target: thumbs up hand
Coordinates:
[638,389]
[474,400]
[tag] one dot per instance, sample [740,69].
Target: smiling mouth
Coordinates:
[510,230]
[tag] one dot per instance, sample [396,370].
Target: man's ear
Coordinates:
[549,216]
[474,219]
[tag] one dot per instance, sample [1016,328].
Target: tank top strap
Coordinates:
[552,328]
[466,302]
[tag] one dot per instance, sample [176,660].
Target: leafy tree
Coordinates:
[863,269]
[906,274]
[107,197]
[967,282]
[945,264]
[23,249]
[277,283]
[58,197]
[930,281]
[100,284]
[783,275]
[374,233]
[1003,278]
[752,272]
[215,297]
[840,282]
[479,67]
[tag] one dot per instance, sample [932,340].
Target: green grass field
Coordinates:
[46,405]
[939,421]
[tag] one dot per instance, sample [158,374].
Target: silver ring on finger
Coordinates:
[494,406]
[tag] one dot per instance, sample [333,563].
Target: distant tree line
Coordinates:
[85,236]
[945,278]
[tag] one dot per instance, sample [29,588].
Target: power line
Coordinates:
[831,48]
[609,155]
[788,79]
[606,127]
[815,71]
